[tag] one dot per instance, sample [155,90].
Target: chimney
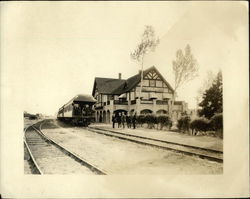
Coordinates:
[120,76]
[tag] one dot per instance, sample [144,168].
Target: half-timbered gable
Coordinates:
[154,85]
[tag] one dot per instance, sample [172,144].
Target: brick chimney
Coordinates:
[120,76]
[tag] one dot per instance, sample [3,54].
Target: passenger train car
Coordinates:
[78,111]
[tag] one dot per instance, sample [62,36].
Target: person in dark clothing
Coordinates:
[119,121]
[123,120]
[134,118]
[128,120]
[113,120]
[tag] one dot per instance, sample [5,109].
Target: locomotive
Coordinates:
[78,111]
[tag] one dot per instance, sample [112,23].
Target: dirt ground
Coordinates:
[116,156]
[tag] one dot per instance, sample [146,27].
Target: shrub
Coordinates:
[183,123]
[161,120]
[164,120]
[200,124]
[217,124]
[151,120]
[141,119]
[217,121]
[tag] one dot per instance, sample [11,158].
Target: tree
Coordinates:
[185,68]
[148,43]
[212,101]
[207,83]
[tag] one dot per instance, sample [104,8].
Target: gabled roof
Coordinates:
[119,86]
[107,85]
[134,80]
[129,84]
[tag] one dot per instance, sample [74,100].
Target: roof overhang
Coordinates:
[122,96]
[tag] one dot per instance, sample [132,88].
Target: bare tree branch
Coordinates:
[148,43]
[185,67]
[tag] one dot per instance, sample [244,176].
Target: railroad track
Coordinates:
[203,153]
[49,157]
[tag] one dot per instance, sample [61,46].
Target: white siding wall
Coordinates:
[145,83]
[116,97]
[159,96]
[98,98]
[104,98]
[156,91]
[158,83]
[132,95]
[145,95]
[127,96]
[166,90]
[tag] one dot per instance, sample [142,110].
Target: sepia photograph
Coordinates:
[107,96]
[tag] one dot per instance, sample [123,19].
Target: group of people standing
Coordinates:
[121,118]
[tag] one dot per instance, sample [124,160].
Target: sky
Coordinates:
[52,51]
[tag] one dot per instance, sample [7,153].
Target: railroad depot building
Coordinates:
[122,95]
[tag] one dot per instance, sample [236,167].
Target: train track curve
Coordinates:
[49,157]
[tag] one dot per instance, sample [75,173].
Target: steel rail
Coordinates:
[37,168]
[135,140]
[163,141]
[82,161]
